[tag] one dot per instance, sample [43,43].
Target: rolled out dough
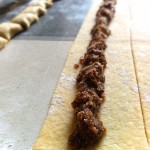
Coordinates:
[25,19]
[141,51]
[121,112]
[2,42]
[8,30]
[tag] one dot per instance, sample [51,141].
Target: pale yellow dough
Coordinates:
[8,30]
[121,112]
[141,51]
[37,10]
[42,3]
[25,19]
[3,42]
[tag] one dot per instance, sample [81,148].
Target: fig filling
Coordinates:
[90,82]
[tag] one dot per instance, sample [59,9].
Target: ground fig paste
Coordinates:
[90,82]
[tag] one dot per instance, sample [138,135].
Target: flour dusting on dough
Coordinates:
[67,81]
[147,98]
[51,110]
[113,52]
[135,88]
[123,72]
[67,78]
[56,102]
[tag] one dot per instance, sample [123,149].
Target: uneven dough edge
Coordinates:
[120,113]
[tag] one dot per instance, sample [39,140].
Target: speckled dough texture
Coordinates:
[121,112]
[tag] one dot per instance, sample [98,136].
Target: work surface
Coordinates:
[30,66]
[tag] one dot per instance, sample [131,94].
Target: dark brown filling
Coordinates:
[90,82]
